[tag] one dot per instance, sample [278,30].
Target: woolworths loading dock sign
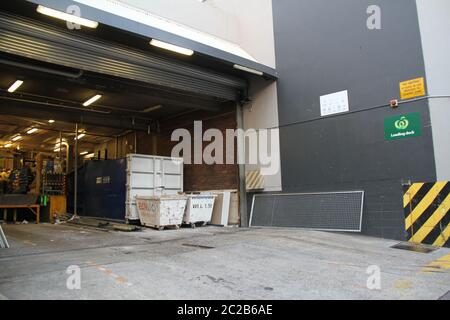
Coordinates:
[403,126]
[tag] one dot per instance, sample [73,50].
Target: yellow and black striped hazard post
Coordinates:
[427,213]
[254,180]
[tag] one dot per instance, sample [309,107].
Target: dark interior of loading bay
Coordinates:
[82,117]
[46,132]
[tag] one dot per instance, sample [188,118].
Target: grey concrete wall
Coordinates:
[434,20]
[324,47]
[245,23]
[255,26]
[262,113]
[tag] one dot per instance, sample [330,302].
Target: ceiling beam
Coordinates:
[41,112]
[95,82]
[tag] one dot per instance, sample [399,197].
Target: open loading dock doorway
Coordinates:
[82,98]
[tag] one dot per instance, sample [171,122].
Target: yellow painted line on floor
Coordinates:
[403,284]
[28,242]
[110,273]
[432,222]
[443,238]
[411,193]
[424,204]
[440,265]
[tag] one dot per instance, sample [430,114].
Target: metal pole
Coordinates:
[117,148]
[242,184]
[60,146]
[68,159]
[75,195]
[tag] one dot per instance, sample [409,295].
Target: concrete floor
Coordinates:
[213,263]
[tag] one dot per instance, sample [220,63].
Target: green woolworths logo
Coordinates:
[402,124]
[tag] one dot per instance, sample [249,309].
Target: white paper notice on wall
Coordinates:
[334,103]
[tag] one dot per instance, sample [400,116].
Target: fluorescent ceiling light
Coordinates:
[8,145]
[84,153]
[51,121]
[80,136]
[58,144]
[68,17]
[171,47]
[57,150]
[15,86]
[249,70]
[92,100]
[151,109]
[33,130]
[91,155]
[147,18]
[17,138]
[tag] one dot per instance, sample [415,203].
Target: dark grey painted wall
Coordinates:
[322,47]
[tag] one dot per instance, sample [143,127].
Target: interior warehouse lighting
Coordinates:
[51,121]
[68,17]
[80,136]
[171,47]
[31,131]
[15,86]
[249,70]
[59,144]
[92,100]
[151,109]
[84,153]
[8,145]
[17,138]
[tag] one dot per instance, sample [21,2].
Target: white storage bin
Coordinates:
[161,212]
[151,176]
[199,209]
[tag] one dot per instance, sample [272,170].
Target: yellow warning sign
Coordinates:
[412,88]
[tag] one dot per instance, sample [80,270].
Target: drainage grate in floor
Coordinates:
[197,246]
[419,248]
[445,297]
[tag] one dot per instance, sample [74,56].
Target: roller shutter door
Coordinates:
[31,39]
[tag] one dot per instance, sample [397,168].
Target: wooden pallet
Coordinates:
[194,225]
[161,228]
